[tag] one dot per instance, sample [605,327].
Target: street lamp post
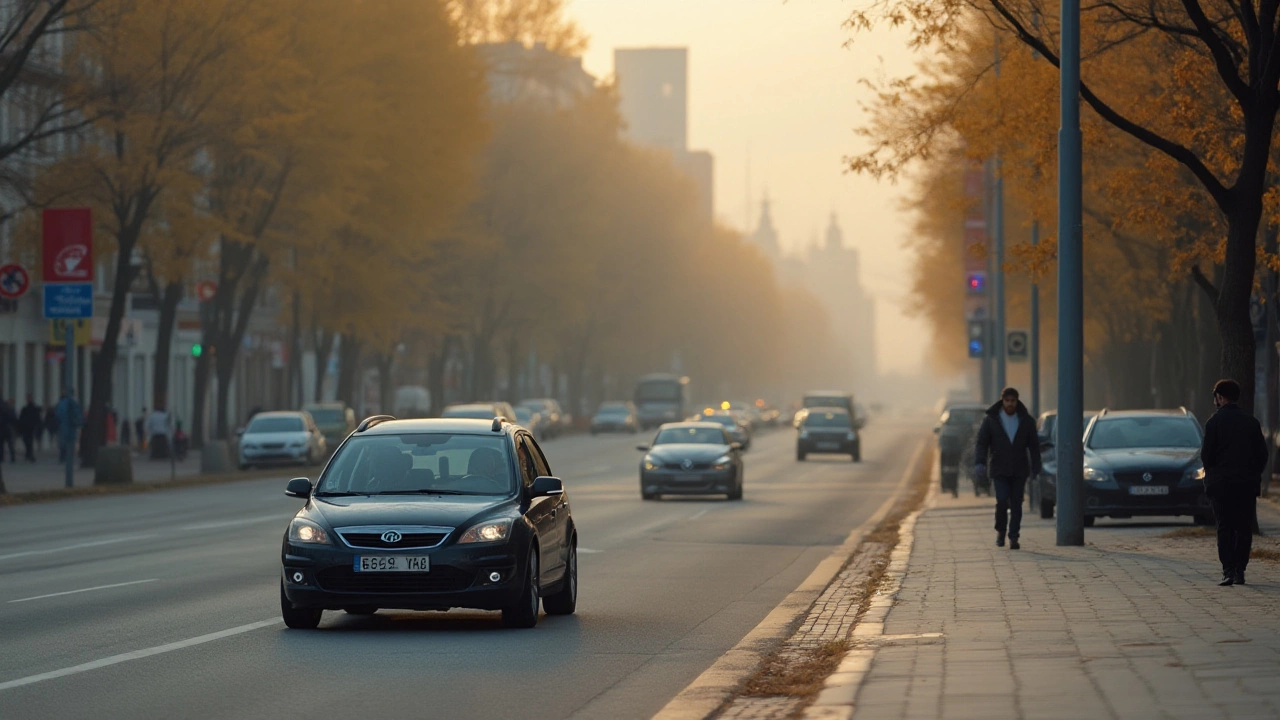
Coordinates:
[1069,448]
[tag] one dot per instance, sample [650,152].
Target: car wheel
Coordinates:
[1089,520]
[800,455]
[524,613]
[296,617]
[360,610]
[1046,509]
[737,492]
[565,602]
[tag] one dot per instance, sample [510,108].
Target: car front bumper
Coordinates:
[691,482]
[458,577]
[1100,502]
[611,426]
[842,446]
[274,456]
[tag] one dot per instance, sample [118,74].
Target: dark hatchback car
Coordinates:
[827,430]
[1144,462]
[691,458]
[431,515]
[1042,490]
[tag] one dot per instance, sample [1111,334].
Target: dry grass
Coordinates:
[1265,554]
[1191,532]
[796,676]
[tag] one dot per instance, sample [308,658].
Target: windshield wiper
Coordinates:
[426,492]
[341,493]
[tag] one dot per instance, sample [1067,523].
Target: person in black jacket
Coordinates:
[29,423]
[1234,455]
[1008,450]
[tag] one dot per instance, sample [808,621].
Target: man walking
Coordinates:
[29,426]
[1234,455]
[1008,449]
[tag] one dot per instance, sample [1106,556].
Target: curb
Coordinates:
[719,683]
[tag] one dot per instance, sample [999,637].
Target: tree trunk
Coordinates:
[437,363]
[169,299]
[323,340]
[104,361]
[348,369]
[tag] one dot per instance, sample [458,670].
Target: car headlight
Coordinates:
[305,531]
[1095,476]
[651,464]
[852,435]
[722,462]
[487,532]
[1193,475]
[804,434]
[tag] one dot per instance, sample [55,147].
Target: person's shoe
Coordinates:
[1238,577]
[1227,579]
[1000,540]
[1013,544]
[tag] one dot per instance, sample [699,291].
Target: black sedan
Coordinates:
[1144,462]
[691,458]
[431,515]
[827,430]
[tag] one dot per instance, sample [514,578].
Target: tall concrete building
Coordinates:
[653,85]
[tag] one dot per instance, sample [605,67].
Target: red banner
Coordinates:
[68,245]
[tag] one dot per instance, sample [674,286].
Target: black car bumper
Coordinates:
[692,482]
[612,427]
[1111,502]
[842,446]
[324,576]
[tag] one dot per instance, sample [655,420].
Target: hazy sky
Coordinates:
[773,76]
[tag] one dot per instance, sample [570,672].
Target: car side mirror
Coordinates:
[546,486]
[643,448]
[298,488]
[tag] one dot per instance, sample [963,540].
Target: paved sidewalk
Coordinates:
[46,473]
[1133,625]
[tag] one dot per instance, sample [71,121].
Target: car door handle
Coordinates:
[553,513]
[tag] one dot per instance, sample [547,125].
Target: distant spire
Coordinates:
[766,236]
[835,236]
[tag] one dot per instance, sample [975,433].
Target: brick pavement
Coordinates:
[1132,625]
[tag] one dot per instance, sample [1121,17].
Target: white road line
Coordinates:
[232,523]
[84,590]
[78,546]
[136,655]
[588,551]
[699,514]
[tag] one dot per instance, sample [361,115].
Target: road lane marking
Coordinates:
[136,655]
[78,546]
[85,590]
[699,514]
[588,551]
[233,523]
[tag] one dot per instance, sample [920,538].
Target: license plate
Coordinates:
[828,446]
[1148,489]
[392,563]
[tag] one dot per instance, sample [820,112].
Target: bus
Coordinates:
[662,398]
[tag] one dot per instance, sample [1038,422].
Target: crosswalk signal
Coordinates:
[977,339]
[197,350]
[976,283]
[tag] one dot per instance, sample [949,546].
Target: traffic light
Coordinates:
[197,350]
[976,283]
[977,339]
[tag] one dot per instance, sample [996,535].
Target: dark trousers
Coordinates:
[29,444]
[1235,515]
[1009,503]
[13,449]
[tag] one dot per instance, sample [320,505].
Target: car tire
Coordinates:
[736,493]
[565,601]
[800,455]
[1089,520]
[360,610]
[295,617]
[1046,509]
[523,613]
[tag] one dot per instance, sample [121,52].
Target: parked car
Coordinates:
[431,514]
[557,420]
[827,430]
[281,438]
[531,421]
[1042,490]
[615,416]
[335,420]
[691,458]
[1144,462]
[480,411]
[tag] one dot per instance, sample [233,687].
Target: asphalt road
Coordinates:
[165,604]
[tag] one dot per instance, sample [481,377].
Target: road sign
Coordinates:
[68,300]
[58,332]
[1017,345]
[14,281]
[205,290]
[67,245]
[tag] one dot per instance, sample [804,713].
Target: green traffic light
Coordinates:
[196,350]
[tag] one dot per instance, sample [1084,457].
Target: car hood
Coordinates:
[274,437]
[1142,458]
[697,452]
[441,510]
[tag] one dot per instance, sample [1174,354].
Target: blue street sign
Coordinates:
[68,301]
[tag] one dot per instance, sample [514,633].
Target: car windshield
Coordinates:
[420,463]
[964,416]
[524,414]
[472,412]
[825,401]
[328,416]
[827,419]
[1117,433]
[613,410]
[690,436]
[658,392]
[275,425]
[726,420]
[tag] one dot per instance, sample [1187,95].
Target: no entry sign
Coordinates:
[14,281]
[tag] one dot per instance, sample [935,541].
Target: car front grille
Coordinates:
[406,541]
[679,466]
[271,446]
[440,579]
[1157,478]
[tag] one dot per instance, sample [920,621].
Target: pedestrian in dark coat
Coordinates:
[29,425]
[8,429]
[1008,450]
[1234,455]
[51,422]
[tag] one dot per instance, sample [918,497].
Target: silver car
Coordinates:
[281,438]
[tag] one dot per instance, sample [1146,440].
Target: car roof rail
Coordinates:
[1103,411]
[497,423]
[1184,410]
[373,420]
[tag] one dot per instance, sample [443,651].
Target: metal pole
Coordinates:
[69,382]
[1069,449]
[998,337]
[1035,329]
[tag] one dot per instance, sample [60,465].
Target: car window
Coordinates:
[421,462]
[524,458]
[692,435]
[539,459]
[276,424]
[1144,432]
[827,419]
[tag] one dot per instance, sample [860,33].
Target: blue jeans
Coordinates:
[1009,502]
